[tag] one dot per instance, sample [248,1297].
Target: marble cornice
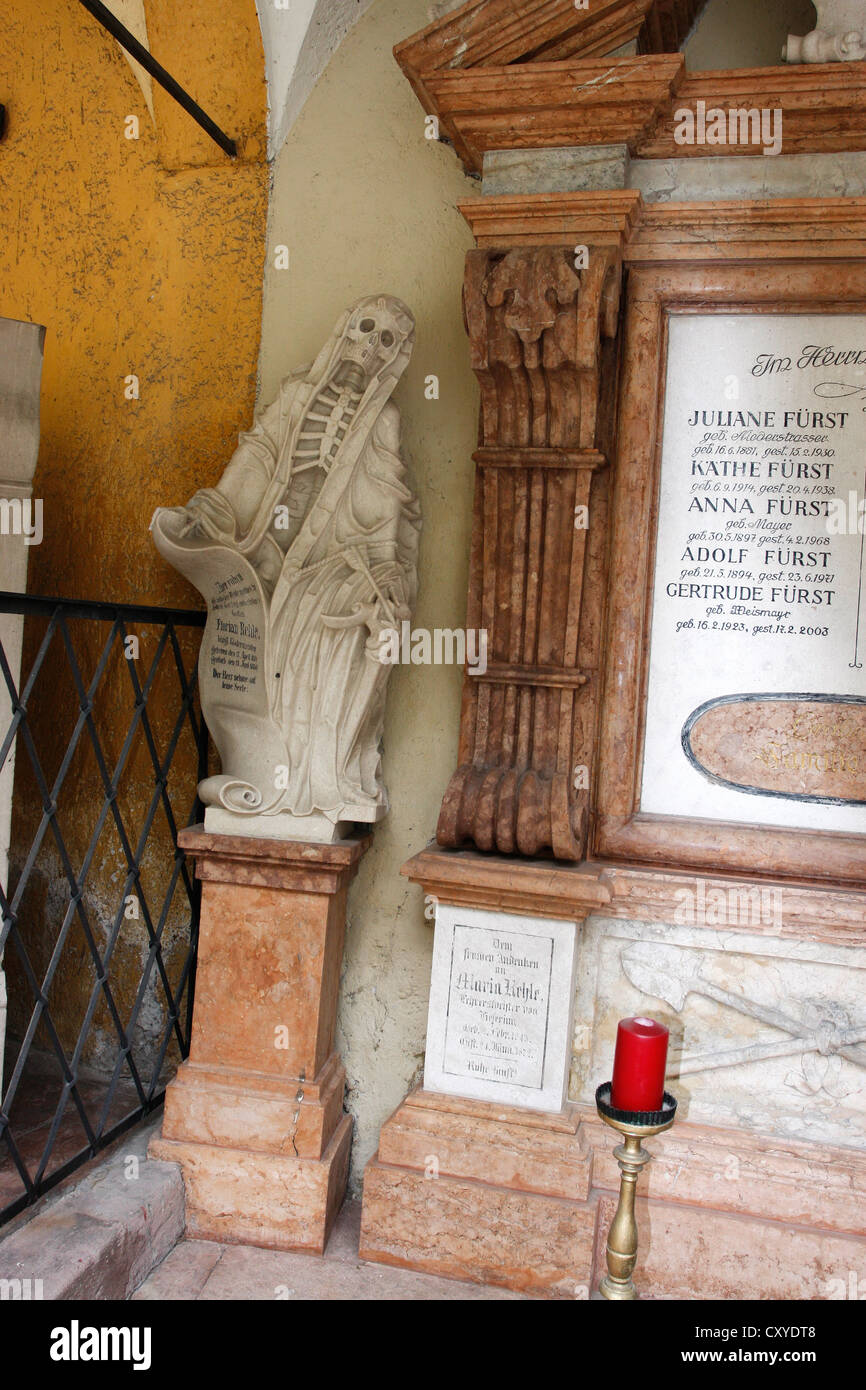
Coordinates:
[718,230]
[539,74]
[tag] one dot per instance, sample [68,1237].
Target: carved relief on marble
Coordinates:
[758,1022]
[305,552]
[542,333]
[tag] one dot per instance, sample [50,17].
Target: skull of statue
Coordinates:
[373,336]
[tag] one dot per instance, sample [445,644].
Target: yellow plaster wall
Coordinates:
[141,257]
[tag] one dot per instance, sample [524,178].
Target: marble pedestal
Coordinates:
[484,1189]
[472,1190]
[525,1200]
[502,1195]
[255,1115]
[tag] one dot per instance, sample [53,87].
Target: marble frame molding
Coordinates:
[622,833]
[537,74]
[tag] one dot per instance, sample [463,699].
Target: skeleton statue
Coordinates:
[305,552]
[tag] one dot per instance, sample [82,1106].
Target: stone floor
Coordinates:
[201,1269]
[32,1113]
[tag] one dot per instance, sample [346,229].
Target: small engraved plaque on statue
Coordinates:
[501,999]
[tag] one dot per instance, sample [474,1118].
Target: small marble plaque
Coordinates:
[501,999]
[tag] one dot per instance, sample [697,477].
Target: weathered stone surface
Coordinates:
[572,169]
[74,1255]
[263,1274]
[244,1197]
[472,1190]
[767,1034]
[521,1149]
[811,1187]
[473,1230]
[255,1115]
[801,748]
[182,1274]
[208,1271]
[699,179]
[786,1217]
[695,1253]
[103,1237]
[208,1105]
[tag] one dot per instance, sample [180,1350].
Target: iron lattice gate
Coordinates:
[104,739]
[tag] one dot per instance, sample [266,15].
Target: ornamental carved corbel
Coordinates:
[542,329]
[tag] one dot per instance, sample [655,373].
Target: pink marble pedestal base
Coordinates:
[255,1115]
[502,1196]
[484,1192]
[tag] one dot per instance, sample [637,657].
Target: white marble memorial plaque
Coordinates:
[501,999]
[756,700]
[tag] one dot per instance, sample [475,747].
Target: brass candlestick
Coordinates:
[631,1157]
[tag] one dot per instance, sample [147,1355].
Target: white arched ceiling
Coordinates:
[299,38]
[131,14]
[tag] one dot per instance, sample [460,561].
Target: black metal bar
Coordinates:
[158,715]
[68,1168]
[92,608]
[143,56]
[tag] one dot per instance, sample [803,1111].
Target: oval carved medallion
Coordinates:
[801,747]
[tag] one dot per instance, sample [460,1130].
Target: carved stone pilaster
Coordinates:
[542,330]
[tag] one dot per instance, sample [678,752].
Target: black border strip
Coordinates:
[696,714]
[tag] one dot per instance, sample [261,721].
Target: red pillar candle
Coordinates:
[639,1065]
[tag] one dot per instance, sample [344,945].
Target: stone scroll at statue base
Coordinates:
[305,553]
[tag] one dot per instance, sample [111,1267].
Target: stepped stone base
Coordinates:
[524,1200]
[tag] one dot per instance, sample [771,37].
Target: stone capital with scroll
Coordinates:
[305,551]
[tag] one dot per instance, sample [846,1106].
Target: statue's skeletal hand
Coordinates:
[208,514]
